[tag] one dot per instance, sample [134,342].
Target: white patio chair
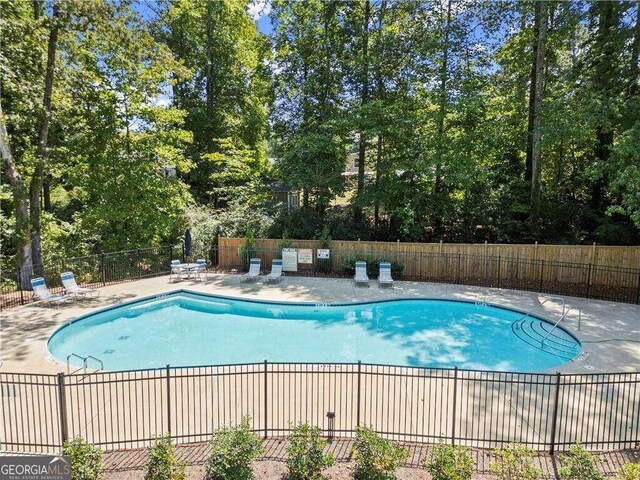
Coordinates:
[384,278]
[361,277]
[41,291]
[72,288]
[276,271]
[254,271]
[176,269]
[202,267]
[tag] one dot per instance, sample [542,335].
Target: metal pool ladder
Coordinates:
[521,320]
[564,315]
[85,361]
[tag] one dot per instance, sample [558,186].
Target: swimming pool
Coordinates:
[185,328]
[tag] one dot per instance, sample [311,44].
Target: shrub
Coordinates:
[376,458]
[515,462]
[450,463]
[305,459]
[86,460]
[578,465]
[232,451]
[248,250]
[630,471]
[163,464]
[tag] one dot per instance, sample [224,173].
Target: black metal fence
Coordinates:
[575,279]
[560,278]
[90,271]
[128,409]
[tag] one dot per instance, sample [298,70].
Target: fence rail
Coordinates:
[560,278]
[128,409]
[552,277]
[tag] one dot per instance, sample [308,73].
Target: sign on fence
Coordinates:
[289,259]
[305,255]
[323,253]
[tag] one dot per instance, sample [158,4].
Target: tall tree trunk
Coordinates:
[534,134]
[380,94]
[364,98]
[37,179]
[209,88]
[605,44]
[442,112]
[634,71]
[21,206]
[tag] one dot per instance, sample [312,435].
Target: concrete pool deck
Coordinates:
[609,333]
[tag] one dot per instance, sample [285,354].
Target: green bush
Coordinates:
[630,471]
[515,462]
[248,250]
[232,451]
[376,458]
[163,464]
[86,460]
[450,463]
[305,457]
[578,465]
[348,265]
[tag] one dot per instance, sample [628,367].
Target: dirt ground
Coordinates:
[129,464]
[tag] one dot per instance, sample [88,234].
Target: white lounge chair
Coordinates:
[41,291]
[72,288]
[254,271]
[276,271]
[384,278]
[202,266]
[176,269]
[361,277]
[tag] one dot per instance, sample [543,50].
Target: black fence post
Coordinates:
[168,399]
[459,260]
[499,271]
[589,280]
[265,398]
[138,263]
[62,406]
[541,275]
[19,278]
[104,276]
[554,421]
[455,401]
[638,289]
[358,394]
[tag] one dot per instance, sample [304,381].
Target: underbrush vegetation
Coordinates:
[305,455]
[232,452]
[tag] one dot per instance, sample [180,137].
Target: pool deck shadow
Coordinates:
[610,332]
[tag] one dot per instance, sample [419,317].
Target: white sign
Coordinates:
[289,260]
[324,253]
[305,255]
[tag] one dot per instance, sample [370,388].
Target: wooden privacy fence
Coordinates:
[546,269]
[116,410]
[597,255]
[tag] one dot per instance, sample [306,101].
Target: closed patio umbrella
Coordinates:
[187,243]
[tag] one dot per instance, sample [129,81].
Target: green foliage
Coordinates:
[578,465]
[247,250]
[629,471]
[450,463]
[515,462]
[348,265]
[163,463]
[325,240]
[305,457]
[86,460]
[232,451]
[376,458]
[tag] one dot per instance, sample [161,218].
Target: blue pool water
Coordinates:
[193,329]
